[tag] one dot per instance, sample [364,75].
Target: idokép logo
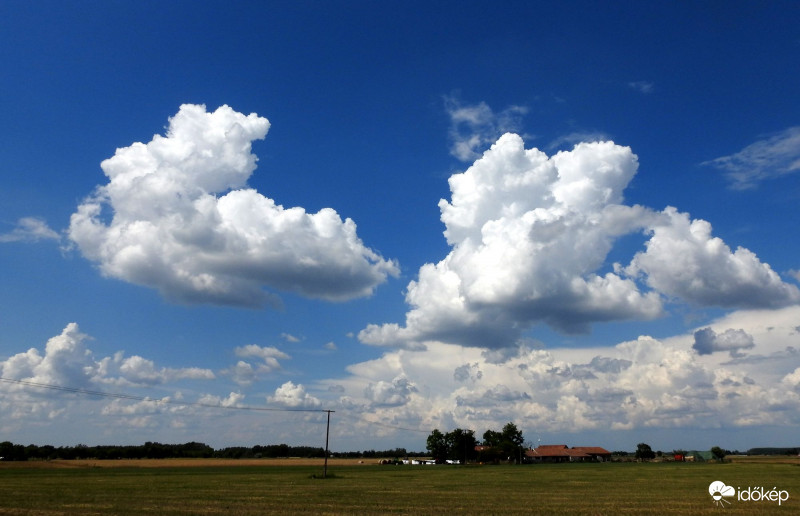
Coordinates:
[719,492]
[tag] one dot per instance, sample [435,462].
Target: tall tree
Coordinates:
[506,444]
[492,438]
[644,452]
[461,445]
[437,446]
[512,441]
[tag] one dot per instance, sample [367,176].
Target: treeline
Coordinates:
[774,451]
[149,450]
[153,450]
[271,451]
[397,453]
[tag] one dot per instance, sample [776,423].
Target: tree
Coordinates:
[437,446]
[461,445]
[718,453]
[644,452]
[513,435]
[512,441]
[492,438]
[505,444]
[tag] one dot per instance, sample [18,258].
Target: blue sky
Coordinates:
[579,217]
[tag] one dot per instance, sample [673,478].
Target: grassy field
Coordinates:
[273,487]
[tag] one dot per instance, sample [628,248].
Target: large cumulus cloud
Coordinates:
[530,236]
[177,215]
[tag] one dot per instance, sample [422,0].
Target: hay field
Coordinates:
[268,487]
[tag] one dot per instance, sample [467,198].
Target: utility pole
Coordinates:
[327,433]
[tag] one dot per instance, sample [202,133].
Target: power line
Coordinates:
[385,425]
[131,397]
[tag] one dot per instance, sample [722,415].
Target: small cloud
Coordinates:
[233,399]
[641,86]
[331,346]
[568,141]
[501,355]
[142,371]
[774,156]
[30,229]
[394,393]
[293,396]
[288,337]
[266,353]
[474,127]
[468,372]
[707,341]
[609,365]
[244,373]
[787,355]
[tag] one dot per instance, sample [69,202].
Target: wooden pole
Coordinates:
[327,433]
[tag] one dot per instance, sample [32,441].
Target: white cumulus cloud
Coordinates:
[684,260]
[233,399]
[142,371]
[67,362]
[530,236]
[67,366]
[268,354]
[396,392]
[177,215]
[244,373]
[293,395]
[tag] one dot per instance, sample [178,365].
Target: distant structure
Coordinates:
[562,453]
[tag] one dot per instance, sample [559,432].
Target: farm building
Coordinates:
[698,456]
[562,453]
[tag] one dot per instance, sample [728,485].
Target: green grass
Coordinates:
[548,489]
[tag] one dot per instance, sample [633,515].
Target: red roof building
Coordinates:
[562,453]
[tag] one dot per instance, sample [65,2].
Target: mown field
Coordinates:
[289,487]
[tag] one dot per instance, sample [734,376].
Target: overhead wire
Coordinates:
[131,397]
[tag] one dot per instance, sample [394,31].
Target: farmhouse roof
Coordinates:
[561,450]
[555,450]
[592,450]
